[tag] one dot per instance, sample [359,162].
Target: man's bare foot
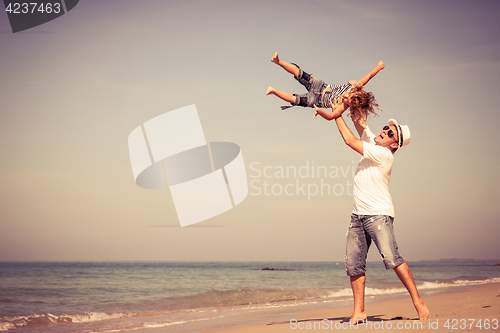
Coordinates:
[275,58]
[423,312]
[358,317]
[270,90]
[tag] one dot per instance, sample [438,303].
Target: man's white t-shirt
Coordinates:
[371,182]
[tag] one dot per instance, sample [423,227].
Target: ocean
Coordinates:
[82,297]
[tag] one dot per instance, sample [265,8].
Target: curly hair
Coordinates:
[362,104]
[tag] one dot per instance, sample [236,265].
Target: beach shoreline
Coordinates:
[197,297]
[470,310]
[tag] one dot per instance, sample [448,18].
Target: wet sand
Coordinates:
[475,309]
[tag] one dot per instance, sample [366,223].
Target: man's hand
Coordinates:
[355,84]
[337,100]
[338,107]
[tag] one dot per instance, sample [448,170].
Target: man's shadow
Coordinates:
[344,320]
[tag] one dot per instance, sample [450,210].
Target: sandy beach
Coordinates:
[475,309]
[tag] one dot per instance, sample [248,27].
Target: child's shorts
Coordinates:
[314,87]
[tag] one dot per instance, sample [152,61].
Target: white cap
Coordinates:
[404,134]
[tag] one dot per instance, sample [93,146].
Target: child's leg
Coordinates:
[294,70]
[281,94]
[311,83]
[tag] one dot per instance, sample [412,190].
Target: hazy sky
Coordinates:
[73,89]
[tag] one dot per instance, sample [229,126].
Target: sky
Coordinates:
[73,89]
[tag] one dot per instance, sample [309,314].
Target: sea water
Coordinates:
[198,296]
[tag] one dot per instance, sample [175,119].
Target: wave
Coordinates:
[424,286]
[226,298]
[13,322]
[220,301]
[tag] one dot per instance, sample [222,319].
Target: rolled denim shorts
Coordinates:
[362,230]
[314,87]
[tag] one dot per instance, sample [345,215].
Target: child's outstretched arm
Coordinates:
[372,73]
[337,109]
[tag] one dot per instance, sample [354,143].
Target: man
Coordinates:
[373,214]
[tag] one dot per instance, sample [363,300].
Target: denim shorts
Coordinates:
[314,87]
[362,230]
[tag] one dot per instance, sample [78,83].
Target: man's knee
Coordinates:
[390,256]
[393,262]
[355,270]
[354,267]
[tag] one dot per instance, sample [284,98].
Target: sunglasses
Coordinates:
[390,133]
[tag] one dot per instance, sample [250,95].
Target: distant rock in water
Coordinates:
[276,269]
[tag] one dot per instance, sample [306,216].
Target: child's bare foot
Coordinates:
[381,64]
[270,90]
[423,312]
[275,58]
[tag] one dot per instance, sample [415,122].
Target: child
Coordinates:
[320,94]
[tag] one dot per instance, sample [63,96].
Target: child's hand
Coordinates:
[381,64]
[317,111]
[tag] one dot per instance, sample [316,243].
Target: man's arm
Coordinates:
[360,126]
[348,137]
[372,73]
